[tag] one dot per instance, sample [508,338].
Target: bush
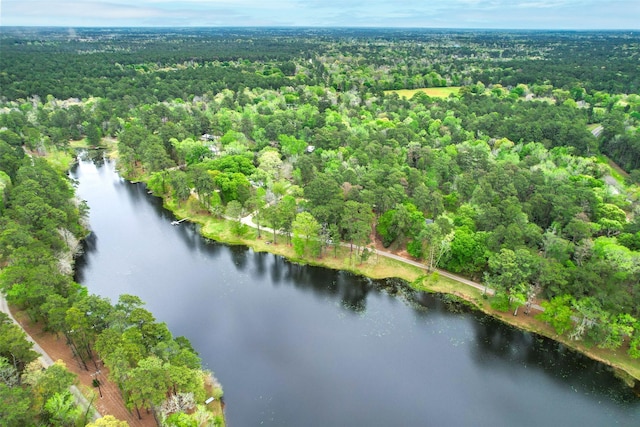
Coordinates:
[500,302]
[414,248]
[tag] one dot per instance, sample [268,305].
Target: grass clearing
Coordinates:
[60,160]
[80,143]
[434,92]
[615,170]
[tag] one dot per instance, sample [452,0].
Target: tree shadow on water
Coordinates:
[89,246]
[349,289]
[239,256]
[499,345]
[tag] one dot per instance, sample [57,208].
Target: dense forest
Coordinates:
[41,227]
[524,177]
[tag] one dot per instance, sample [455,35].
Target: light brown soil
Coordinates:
[111,402]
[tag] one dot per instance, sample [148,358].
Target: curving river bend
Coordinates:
[303,346]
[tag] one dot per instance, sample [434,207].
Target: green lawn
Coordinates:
[435,92]
[61,160]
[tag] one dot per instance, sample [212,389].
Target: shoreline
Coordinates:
[415,278]
[63,163]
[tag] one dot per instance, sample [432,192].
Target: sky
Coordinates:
[503,14]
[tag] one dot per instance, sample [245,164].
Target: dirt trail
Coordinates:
[247,220]
[52,348]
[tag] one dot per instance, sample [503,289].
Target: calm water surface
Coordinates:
[305,346]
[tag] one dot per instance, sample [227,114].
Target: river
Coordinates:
[304,346]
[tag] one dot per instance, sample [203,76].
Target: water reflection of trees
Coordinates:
[498,343]
[260,260]
[89,246]
[350,289]
[276,270]
[443,304]
[239,256]
[190,235]
[212,248]
[136,193]
[93,155]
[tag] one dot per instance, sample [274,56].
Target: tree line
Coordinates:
[41,225]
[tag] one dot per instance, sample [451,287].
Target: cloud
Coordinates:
[583,14]
[51,12]
[96,13]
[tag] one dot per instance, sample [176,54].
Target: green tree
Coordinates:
[189,151]
[153,155]
[408,221]
[232,186]
[203,185]
[234,213]
[80,335]
[306,234]
[558,313]
[291,146]
[56,379]
[10,158]
[256,204]
[180,184]
[437,237]
[130,141]
[615,329]
[509,275]
[9,375]
[386,228]
[62,410]
[13,236]
[97,309]
[356,221]
[55,311]
[15,404]
[281,215]
[332,237]
[287,208]
[93,133]
[14,345]
[324,198]
[184,380]
[588,312]
[270,163]
[146,385]
[150,332]
[634,343]
[468,252]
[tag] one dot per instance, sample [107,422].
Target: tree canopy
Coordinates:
[508,157]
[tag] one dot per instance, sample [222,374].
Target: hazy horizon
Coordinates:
[410,14]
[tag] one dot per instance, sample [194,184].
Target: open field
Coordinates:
[435,92]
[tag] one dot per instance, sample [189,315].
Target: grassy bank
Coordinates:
[380,267]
